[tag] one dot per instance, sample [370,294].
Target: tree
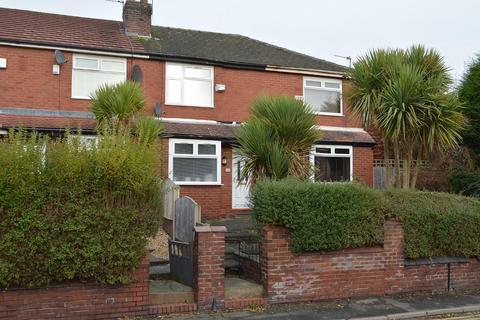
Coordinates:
[469,93]
[116,107]
[404,94]
[276,140]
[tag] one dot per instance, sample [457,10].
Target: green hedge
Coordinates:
[72,212]
[436,224]
[322,216]
[465,182]
[333,216]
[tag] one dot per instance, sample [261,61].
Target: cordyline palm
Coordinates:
[276,140]
[117,104]
[403,94]
[116,107]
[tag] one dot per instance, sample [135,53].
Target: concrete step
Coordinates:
[169,292]
[236,288]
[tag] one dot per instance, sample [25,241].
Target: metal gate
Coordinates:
[181,261]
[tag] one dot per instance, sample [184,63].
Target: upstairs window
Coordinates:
[194,162]
[189,85]
[323,95]
[91,72]
[332,163]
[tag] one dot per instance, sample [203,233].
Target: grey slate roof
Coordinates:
[21,26]
[230,48]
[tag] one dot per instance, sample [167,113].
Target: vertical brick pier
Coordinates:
[209,272]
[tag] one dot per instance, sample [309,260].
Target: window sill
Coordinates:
[187,105]
[198,183]
[81,98]
[329,114]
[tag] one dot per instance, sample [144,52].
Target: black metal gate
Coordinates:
[181,261]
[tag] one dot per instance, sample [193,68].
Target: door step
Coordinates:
[237,288]
[169,292]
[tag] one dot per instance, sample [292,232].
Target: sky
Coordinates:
[316,27]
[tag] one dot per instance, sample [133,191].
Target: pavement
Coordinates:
[448,306]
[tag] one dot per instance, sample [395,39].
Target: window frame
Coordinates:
[332,154]
[195,155]
[100,60]
[169,102]
[323,88]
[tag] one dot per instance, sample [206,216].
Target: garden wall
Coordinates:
[79,301]
[358,272]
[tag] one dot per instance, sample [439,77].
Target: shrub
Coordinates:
[465,182]
[436,224]
[322,216]
[334,216]
[69,211]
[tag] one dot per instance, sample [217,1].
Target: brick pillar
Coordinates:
[394,255]
[274,254]
[209,272]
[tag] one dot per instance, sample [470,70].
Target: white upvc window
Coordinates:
[332,162]
[323,95]
[194,162]
[85,141]
[189,85]
[91,72]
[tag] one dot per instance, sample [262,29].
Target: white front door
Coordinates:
[240,190]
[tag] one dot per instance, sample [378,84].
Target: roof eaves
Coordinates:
[226,63]
[53,45]
[306,71]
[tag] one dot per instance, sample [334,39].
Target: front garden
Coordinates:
[335,216]
[75,210]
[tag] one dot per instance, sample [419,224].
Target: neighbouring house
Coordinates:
[199,84]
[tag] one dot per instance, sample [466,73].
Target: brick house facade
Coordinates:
[222,72]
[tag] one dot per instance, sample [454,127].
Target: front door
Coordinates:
[240,190]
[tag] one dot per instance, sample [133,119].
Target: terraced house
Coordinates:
[199,84]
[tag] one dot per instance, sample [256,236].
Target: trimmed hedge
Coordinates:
[72,212]
[322,216]
[334,216]
[465,182]
[436,224]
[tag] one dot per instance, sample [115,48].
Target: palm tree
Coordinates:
[117,104]
[276,140]
[116,107]
[404,95]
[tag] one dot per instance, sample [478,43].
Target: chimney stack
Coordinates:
[137,18]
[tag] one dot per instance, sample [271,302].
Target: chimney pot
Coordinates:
[137,18]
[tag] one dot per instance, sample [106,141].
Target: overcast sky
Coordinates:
[317,27]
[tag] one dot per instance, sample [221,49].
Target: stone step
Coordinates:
[169,292]
[236,288]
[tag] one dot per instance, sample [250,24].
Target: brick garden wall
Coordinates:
[362,272]
[79,301]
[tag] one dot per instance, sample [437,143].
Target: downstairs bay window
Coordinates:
[194,162]
[332,163]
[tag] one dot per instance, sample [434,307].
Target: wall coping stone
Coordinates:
[208,228]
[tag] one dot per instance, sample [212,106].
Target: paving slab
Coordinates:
[460,306]
[236,288]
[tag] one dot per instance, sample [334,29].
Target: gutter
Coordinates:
[87,50]
[227,64]
[314,72]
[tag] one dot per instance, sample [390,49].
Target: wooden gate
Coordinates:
[180,249]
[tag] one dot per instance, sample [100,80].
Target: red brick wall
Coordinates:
[209,273]
[352,273]
[28,82]
[363,164]
[216,201]
[79,301]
